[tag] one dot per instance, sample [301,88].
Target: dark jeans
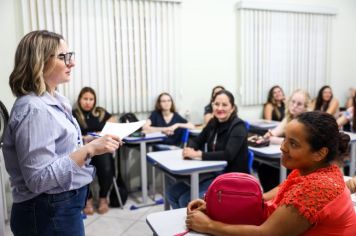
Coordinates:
[178,195]
[105,171]
[50,214]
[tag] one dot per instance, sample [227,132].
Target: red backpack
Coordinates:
[236,198]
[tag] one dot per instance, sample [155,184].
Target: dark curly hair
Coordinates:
[322,132]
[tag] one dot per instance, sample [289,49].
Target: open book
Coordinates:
[121,130]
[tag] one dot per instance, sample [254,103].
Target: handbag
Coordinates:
[257,141]
[236,198]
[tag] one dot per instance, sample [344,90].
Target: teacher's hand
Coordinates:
[105,144]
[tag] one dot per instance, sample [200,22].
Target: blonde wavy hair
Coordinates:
[289,116]
[33,52]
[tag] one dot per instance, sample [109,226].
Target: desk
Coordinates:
[271,152]
[169,222]
[195,132]
[261,126]
[264,124]
[149,138]
[172,161]
[352,152]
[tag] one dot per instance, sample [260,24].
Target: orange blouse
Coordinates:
[322,198]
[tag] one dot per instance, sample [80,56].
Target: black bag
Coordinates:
[257,141]
[4,118]
[114,201]
[128,118]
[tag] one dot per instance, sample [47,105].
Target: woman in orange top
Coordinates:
[313,200]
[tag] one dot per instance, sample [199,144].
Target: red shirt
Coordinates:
[322,198]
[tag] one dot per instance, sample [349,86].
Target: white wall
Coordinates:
[11,32]
[208,50]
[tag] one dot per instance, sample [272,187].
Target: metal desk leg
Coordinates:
[194,186]
[353,159]
[143,172]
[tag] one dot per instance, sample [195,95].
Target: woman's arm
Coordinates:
[187,125]
[98,146]
[293,224]
[351,184]
[277,131]
[147,127]
[333,107]
[270,194]
[267,111]
[44,164]
[112,119]
[342,120]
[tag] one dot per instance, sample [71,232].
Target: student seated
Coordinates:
[208,109]
[165,119]
[326,102]
[297,104]
[274,108]
[313,200]
[226,138]
[92,118]
[348,116]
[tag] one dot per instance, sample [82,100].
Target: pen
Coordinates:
[185,138]
[94,134]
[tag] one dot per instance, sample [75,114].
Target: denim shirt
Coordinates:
[40,136]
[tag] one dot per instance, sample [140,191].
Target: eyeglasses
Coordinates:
[66,57]
[297,104]
[217,104]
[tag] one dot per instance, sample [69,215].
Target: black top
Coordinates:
[157,120]
[230,144]
[281,110]
[208,109]
[93,123]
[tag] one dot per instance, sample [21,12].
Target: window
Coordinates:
[124,49]
[282,44]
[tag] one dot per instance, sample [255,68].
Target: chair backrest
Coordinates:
[247,125]
[251,156]
[185,137]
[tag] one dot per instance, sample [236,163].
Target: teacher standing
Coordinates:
[43,151]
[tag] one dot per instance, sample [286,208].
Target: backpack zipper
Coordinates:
[234,193]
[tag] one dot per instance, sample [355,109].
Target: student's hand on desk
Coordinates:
[105,144]
[196,205]
[198,221]
[191,154]
[168,130]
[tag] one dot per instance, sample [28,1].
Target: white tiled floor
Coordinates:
[118,222]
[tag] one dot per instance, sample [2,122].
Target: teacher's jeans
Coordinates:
[50,214]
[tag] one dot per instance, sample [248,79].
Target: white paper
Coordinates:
[121,130]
